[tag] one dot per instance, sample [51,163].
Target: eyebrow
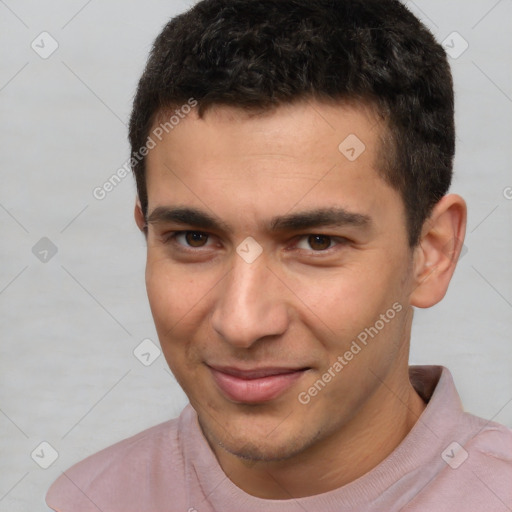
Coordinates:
[186,216]
[317,218]
[320,217]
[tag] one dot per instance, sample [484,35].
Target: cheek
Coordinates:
[175,296]
[176,305]
[348,301]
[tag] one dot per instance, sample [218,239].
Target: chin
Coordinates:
[275,444]
[264,451]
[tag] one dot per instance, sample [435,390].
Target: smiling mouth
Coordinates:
[255,385]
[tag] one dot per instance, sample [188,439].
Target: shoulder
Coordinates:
[484,441]
[491,449]
[485,472]
[476,472]
[123,475]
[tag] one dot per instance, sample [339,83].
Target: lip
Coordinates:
[257,385]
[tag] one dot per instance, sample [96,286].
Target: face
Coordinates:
[272,255]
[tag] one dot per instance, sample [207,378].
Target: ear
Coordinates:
[436,255]
[139,216]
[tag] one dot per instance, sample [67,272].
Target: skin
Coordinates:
[296,305]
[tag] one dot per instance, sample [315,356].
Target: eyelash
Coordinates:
[172,237]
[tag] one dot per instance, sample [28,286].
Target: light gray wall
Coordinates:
[69,325]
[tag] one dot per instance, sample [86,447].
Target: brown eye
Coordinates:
[319,242]
[196,238]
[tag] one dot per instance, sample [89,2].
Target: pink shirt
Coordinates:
[450,461]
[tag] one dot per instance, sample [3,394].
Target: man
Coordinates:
[292,161]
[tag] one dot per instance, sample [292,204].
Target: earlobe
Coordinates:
[139,216]
[438,251]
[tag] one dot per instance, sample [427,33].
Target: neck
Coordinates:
[374,432]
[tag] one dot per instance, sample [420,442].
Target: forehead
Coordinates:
[267,163]
[303,126]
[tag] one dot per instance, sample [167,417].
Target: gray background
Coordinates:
[70,324]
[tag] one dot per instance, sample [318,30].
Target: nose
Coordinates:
[251,304]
